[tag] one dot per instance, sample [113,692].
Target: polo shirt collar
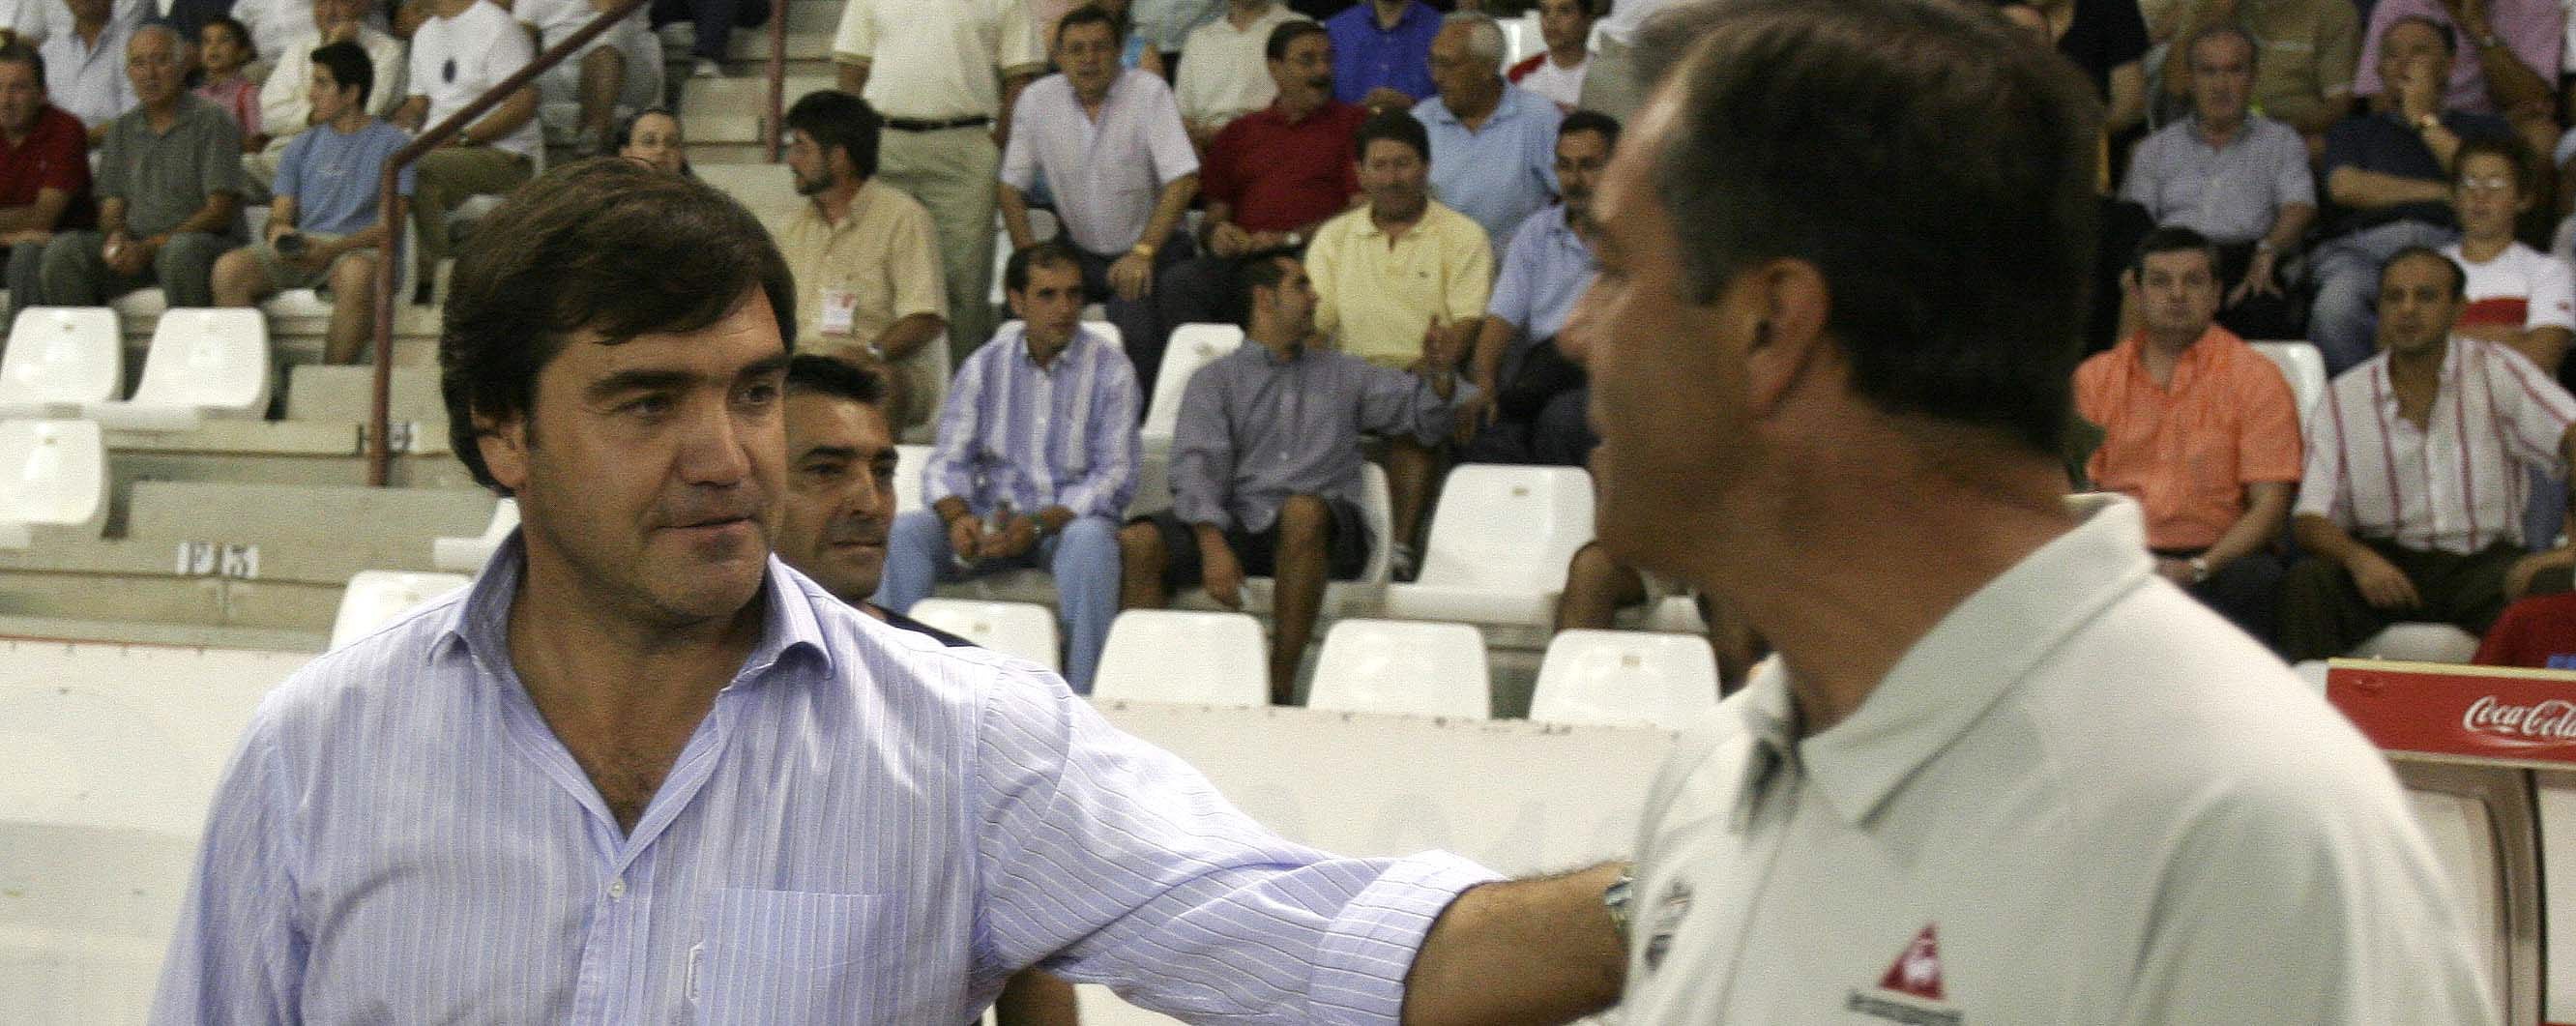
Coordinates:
[479,627]
[1974,657]
[1507,107]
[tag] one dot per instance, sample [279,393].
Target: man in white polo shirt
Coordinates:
[2001,772]
[464,50]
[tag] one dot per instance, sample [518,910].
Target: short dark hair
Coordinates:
[1053,253]
[810,374]
[838,120]
[2173,239]
[1266,269]
[2223,30]
[1936,166]
[250,50]
[2459,275]
[1391,126]
[1090,14]
[2450,36]
[1591,121]
[18,52]
[2510,148]
[1287,35]
[605,246]
[349,67]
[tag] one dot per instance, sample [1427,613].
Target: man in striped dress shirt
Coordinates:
[2418,474]
[642,772]
[1035,462]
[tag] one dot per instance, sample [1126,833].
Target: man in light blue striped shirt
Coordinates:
[644,772]
[1035,463]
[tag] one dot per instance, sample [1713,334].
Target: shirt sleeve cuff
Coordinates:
[1365,955]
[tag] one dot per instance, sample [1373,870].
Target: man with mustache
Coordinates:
[1271,178]
[865,255]
[642,772]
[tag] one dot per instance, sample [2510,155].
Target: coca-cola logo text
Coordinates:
[2551,721]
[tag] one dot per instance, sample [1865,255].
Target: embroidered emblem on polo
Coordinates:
[1911,991]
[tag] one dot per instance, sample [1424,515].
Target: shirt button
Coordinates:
[617,888]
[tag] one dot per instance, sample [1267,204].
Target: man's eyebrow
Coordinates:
[835,452]
[639,380]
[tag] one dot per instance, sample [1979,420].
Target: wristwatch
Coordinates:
[1616,898]
[2199,569]
[2428,122]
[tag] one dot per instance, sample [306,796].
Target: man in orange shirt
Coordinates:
[2201,430]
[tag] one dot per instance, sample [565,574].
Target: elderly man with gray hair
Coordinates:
[1495,142]
[169,190]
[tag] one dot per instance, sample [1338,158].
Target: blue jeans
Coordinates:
[1083,558]
[2343,322]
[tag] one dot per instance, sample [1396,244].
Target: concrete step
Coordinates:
[346,394]
[392,519]
[164,606]
[738,97]
[752,46]
[147,632]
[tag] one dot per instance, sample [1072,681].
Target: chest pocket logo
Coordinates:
[1911,991]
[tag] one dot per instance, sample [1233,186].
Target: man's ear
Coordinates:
[1787,304]
[503,443]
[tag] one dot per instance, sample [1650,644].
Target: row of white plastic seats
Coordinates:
[71,360]
[53,476]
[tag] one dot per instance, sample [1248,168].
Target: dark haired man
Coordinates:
[44,169]
[325,200]
[1266,464]
[2419,465]
[643,772]
[865,255]
[2001,772]
[1532,409]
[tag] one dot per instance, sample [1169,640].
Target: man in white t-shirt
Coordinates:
[617,74]
[1557,71]
[1225,68]
[464,50]
[2001,772]
[286,101]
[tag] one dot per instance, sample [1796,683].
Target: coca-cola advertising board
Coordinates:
[2475,712]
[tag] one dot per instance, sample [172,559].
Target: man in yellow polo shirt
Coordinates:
[1390,273]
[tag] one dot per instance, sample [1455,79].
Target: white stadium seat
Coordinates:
[909,462]
[2420,643]
[1625,677]
[2304,368]
[1023,629]
[60,356]
[53,475]
[1192,346]
[1396,666]
[379,597]
[1184,657]
[467,555]
[1499,546]
[203,363]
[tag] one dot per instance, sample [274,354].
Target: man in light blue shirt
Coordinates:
[1493,145]
[644,772]
[1035,462]
[1532,402]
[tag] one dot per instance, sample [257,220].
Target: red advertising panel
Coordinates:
[2477,712]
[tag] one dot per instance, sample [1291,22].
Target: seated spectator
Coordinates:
[1533,400]
[2536,633]
[285,103]
[2518,296]
[1556,73]
[2388,170]
[1271,180]
[1610,84]
[1496,144]
[169,191]
[1266,464]
[1163,27]
[33,22]
[1226,75]
[87,65]
[2509,69]
[223,48]
[864,255]
[1035,462]
[1397,269]
[653,139]
[465,49]
[2305,54]
[276,26]
[324,226]
[619,70]
[714,21]
[2237,178]
[1382,53]
[44,171]
[1110,143]
[832,527]
[1136,52]
[2411,507]
[2201,430]
[2107,40]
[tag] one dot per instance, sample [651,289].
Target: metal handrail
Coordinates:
[773,132]
[389,207]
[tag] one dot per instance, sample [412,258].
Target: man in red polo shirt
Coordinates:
[1270,179]
[44,169]
[2201,430]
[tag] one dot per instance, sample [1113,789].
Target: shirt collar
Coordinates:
[2189,367]
[1976,655]
[1507,107]
[1079,348]
[479,627]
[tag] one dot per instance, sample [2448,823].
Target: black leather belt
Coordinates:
[911,125]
